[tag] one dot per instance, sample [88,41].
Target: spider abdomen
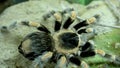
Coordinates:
[40,42]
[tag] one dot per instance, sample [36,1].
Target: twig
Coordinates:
[117,27]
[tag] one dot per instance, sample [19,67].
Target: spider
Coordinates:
[68,43]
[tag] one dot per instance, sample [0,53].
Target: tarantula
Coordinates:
[68,43]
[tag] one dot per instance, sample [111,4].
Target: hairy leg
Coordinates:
[112,58]
[40,61]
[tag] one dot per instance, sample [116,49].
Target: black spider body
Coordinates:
[68,44]
[39,43]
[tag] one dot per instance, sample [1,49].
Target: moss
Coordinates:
[83,2]
[106,42]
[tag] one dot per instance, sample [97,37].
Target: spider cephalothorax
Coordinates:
[67,44]
[69,40]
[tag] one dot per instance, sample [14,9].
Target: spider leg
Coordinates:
[113,58]
[62,62]
[87,49]
[85,30]
[48,15]
[74,60]
[84,65]
[71,18]
[4,29]
[59,17]
[58,21]
[37,25]
[77,62]
[40,61]
[87,34]
[86,22]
